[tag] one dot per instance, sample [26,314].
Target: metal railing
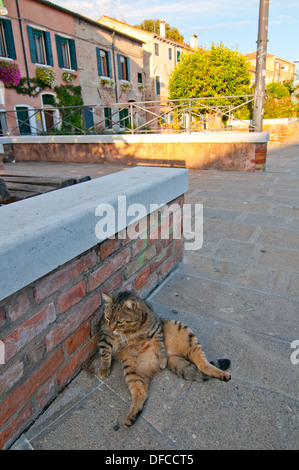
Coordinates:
[167,116]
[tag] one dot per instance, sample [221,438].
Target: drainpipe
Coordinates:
[23,44]
[114,66]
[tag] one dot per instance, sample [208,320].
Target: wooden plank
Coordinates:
[38,189]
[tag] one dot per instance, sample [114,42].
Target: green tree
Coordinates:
[153,26]
[217,71]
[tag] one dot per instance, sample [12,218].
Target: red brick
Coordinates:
[19,423]
[112,284]
[72,322]
[70,369]
[46,394]
[28,330]
[78,338]
[150,284]
[53,282]
[10,377]
[138,246]
[71,297]
[142,277]
[17,307]
[109,268]
[108,247]
[164,254]
[22,394]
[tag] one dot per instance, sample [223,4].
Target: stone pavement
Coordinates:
[239,293]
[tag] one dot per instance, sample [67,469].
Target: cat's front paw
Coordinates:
[103,372]
[163,362]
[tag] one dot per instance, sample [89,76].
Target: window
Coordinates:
[156,49]
[158,85]
[23,119]
[66,52]
[124,117]
[170,53]
[178,56]
[139,77]
[108,118]
[3,123]
[7,45]
[104,63]
[40,46]
[123,67]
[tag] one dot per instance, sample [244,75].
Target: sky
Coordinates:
[233,22]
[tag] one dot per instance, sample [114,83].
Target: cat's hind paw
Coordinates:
[103,373]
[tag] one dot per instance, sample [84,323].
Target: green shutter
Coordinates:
[59,53]
[98,51]
[31,44]
[48,47]
[11,51]
[128,68]
[119,67]
[73,54]
[108,55]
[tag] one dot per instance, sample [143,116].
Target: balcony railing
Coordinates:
[169,116]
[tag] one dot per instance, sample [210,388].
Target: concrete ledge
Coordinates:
[41,233]
[194,137]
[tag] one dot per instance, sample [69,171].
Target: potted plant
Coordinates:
[46,76]
[9,73]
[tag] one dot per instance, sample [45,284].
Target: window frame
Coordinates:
[104,63]
[70,50]
[7,39]
[123,63]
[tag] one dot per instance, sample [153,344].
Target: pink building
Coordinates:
[52,46]
[39,39]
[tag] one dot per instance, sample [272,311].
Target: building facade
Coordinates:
[160,56]
[277,70]
[46,50]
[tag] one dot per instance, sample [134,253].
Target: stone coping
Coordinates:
[41,233]
[194,137]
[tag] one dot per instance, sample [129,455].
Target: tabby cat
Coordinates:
[145,344]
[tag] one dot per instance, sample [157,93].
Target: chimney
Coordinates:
[162,29]
[194,42]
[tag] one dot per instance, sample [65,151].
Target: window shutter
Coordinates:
[73,54]
[31,44]
[99,61]
[9,39]
[119,67]
[128,68]
[178,54]
[48,48]
[59,53]
[108,55]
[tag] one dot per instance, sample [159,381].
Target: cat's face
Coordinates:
[122,313]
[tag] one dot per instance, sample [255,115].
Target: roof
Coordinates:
[85,18]
[142,31]
[252,56]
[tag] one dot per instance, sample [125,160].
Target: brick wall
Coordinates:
[49,328]
[184,150]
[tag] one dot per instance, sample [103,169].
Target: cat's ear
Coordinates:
[107,298]
[131,304]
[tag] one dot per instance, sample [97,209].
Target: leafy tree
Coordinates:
[217,71]
[278,102]
[153,26]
